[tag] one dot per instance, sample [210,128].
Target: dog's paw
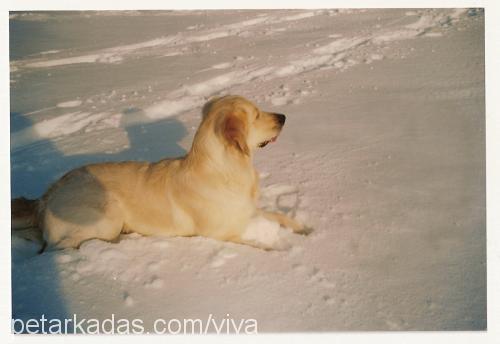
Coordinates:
[298,227]
[300,223]
[304,230]
[265,234]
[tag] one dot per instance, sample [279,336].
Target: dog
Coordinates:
[212,191]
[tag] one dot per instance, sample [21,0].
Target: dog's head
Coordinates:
[240,125]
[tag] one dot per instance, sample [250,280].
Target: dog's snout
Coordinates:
[280,118]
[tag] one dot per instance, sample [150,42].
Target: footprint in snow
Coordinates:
[128,300]
[314,276]
[272,194]
[287,202]
[154,283]
[161,244]
[221,257]
[112,254]
[283,198]
[329,300]
[153,266]
[64,258]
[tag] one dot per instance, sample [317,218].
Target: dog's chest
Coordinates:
[224,210]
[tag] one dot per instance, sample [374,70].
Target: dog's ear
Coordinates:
[208,106]
[234,132]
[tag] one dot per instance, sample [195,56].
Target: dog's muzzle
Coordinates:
[280,121]
[280,118]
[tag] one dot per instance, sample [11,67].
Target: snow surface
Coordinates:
[383,155]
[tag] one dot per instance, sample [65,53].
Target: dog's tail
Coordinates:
[24,220]
[23,213]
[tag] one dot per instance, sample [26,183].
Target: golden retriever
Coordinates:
[211,192]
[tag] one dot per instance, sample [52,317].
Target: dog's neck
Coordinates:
[209,155]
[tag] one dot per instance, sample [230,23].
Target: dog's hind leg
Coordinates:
[104,230]
[65,232]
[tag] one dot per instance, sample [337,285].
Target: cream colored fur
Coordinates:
[211,192]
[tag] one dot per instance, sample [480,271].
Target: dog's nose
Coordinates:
[281,118]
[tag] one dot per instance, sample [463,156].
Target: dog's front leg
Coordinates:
[286,221]
[253,243]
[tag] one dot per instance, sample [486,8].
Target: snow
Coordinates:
[223,65]
[70,103]
[71,60]
[382,155]
[64,125]
[169,108]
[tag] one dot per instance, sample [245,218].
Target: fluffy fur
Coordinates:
[211,192]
